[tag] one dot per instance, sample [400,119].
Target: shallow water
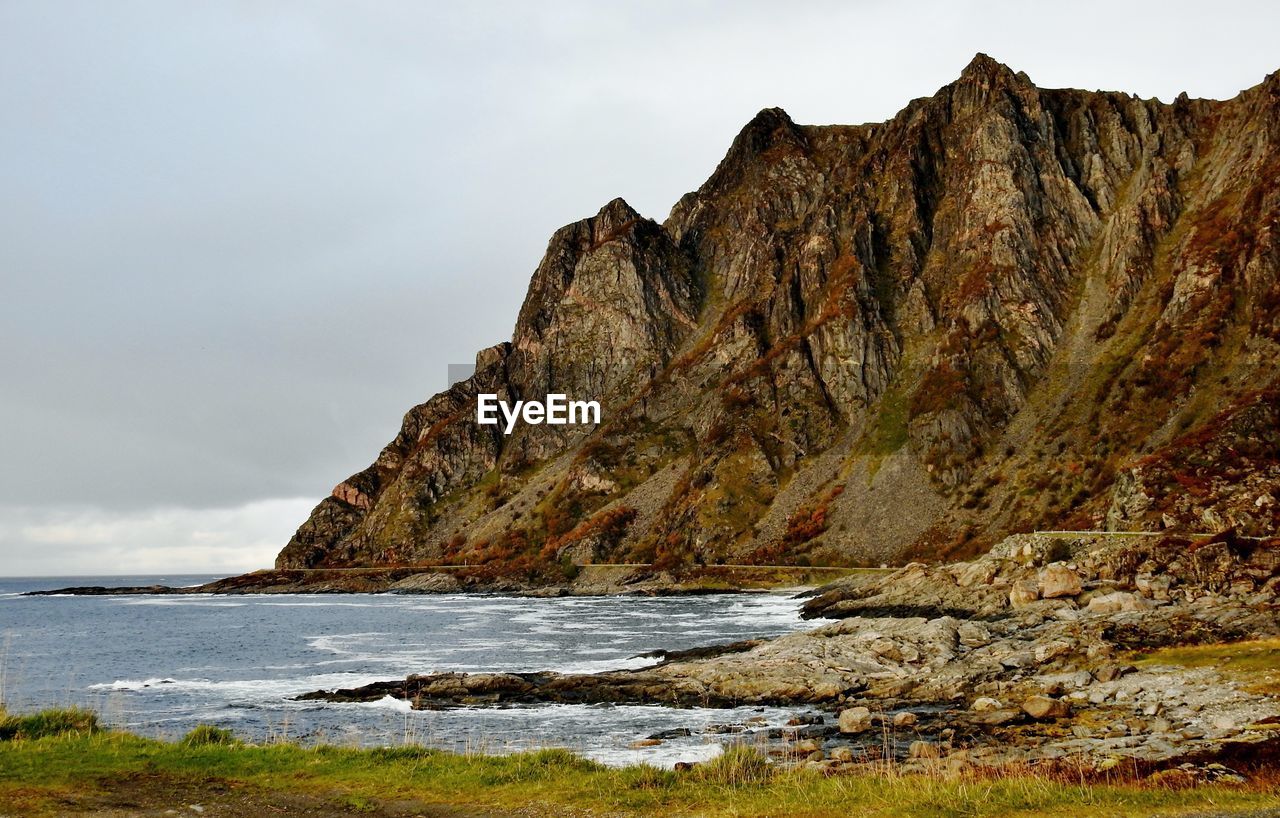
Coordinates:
[158,665]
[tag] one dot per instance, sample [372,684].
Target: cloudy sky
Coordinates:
[239,239]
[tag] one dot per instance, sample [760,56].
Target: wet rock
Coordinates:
[810,718]
[678,732]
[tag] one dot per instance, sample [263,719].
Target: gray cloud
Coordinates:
[62,541]
[238,240]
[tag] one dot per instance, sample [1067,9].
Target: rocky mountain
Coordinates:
[1006,309]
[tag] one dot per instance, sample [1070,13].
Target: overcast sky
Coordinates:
[239,239]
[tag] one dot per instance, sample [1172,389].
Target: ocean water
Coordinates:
[159,665]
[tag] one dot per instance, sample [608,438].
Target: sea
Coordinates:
[160,665]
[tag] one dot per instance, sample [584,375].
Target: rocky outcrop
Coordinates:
[1065,677]
[1006,309]
[1100,572]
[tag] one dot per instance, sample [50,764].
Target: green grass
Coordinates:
[206,734]
[53,722]
[887,432]
[39,775]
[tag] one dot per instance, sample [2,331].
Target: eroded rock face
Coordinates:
[857,343]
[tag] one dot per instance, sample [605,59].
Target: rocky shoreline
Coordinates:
[591,580]
[1048,649]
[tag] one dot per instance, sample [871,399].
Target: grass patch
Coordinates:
[46,723]
[887,432]
[206,734]
[63,771]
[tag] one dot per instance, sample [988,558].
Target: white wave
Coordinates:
[131,684]
[326,604]
[253,689]
[338,642]
[192,601]
[661,756]
[389,703]
[600,665]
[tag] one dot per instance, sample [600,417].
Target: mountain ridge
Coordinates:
[990,311]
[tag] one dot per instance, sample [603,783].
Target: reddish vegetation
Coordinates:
[672,554]
[938,390]
[609,526]
[806,523]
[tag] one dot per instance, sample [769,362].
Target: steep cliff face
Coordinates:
[998,311]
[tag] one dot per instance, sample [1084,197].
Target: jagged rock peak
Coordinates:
[986,73]
[982,66]
[984,81]
[770,128]
[613,218]
[767,121]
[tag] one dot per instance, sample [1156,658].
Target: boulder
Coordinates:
[844,755]
[1057,580]
[807,747]
[984,704]
[904,719]
[1045,707]
[995,718]
[855,720]
[1023,592]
